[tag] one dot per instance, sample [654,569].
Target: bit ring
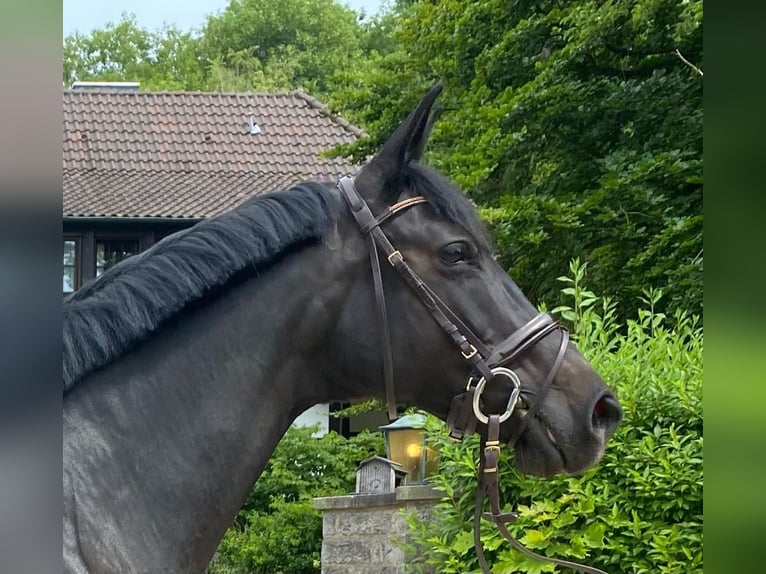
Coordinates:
[512,400]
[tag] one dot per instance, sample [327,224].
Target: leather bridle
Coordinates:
[486,364]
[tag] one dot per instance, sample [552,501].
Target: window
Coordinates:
[111,251]
[71,264]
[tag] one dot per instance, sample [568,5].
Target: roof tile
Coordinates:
[190,154]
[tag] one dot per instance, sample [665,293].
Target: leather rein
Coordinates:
[486,364]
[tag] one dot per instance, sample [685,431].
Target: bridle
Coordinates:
[486,364]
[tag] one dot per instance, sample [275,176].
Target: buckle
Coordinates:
[395,254]
[471,352]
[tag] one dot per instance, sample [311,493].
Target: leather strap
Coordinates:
[526,337]
[369,225]
[510,349]
[488,488]
[472,338]
[461,421]
[518,429]
[388,355]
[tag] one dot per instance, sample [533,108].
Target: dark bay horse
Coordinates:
[185,364]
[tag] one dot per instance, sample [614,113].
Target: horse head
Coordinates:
[559,413]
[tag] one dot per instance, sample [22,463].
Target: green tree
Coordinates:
[575,126]
[284,43]
[167,59]
[260,45]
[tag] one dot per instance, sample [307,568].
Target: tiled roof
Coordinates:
[191,154]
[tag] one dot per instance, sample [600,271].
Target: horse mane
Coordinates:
[107,317]
[125,305]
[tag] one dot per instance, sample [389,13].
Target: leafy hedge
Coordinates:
[277,531]
[640,510]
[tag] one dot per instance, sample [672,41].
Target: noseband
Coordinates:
[486,364]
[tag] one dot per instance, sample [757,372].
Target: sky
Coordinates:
[85,15]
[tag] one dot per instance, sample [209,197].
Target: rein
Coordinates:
[486,364]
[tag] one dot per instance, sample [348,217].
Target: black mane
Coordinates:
[132,299]
[124,306]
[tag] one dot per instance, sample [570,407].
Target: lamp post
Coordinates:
[406,445]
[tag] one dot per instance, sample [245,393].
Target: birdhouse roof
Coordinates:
[396,466]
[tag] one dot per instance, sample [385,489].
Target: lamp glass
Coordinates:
[405,446]
[431,462]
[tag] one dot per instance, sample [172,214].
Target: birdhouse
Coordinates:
[376,475]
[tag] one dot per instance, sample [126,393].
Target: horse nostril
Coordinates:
[607,413]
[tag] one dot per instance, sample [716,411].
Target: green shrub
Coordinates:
[640,510]
[277,531]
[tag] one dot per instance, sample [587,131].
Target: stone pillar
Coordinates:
[360,531]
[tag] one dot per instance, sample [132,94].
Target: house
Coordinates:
[141,165]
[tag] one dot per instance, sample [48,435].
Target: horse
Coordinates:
[184,365]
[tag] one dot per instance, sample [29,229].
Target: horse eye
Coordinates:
[455,252]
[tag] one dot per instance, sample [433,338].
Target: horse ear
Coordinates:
[409,140]
[417,151]
[406,144]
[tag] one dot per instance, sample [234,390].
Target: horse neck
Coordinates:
[162,447]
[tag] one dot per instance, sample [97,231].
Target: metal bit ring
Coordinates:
[512,400]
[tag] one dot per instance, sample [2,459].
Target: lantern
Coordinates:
[406,445]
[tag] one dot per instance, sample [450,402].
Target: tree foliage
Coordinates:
[640,510]
[167,59]
[296,43]
[575,126]
[251,45]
